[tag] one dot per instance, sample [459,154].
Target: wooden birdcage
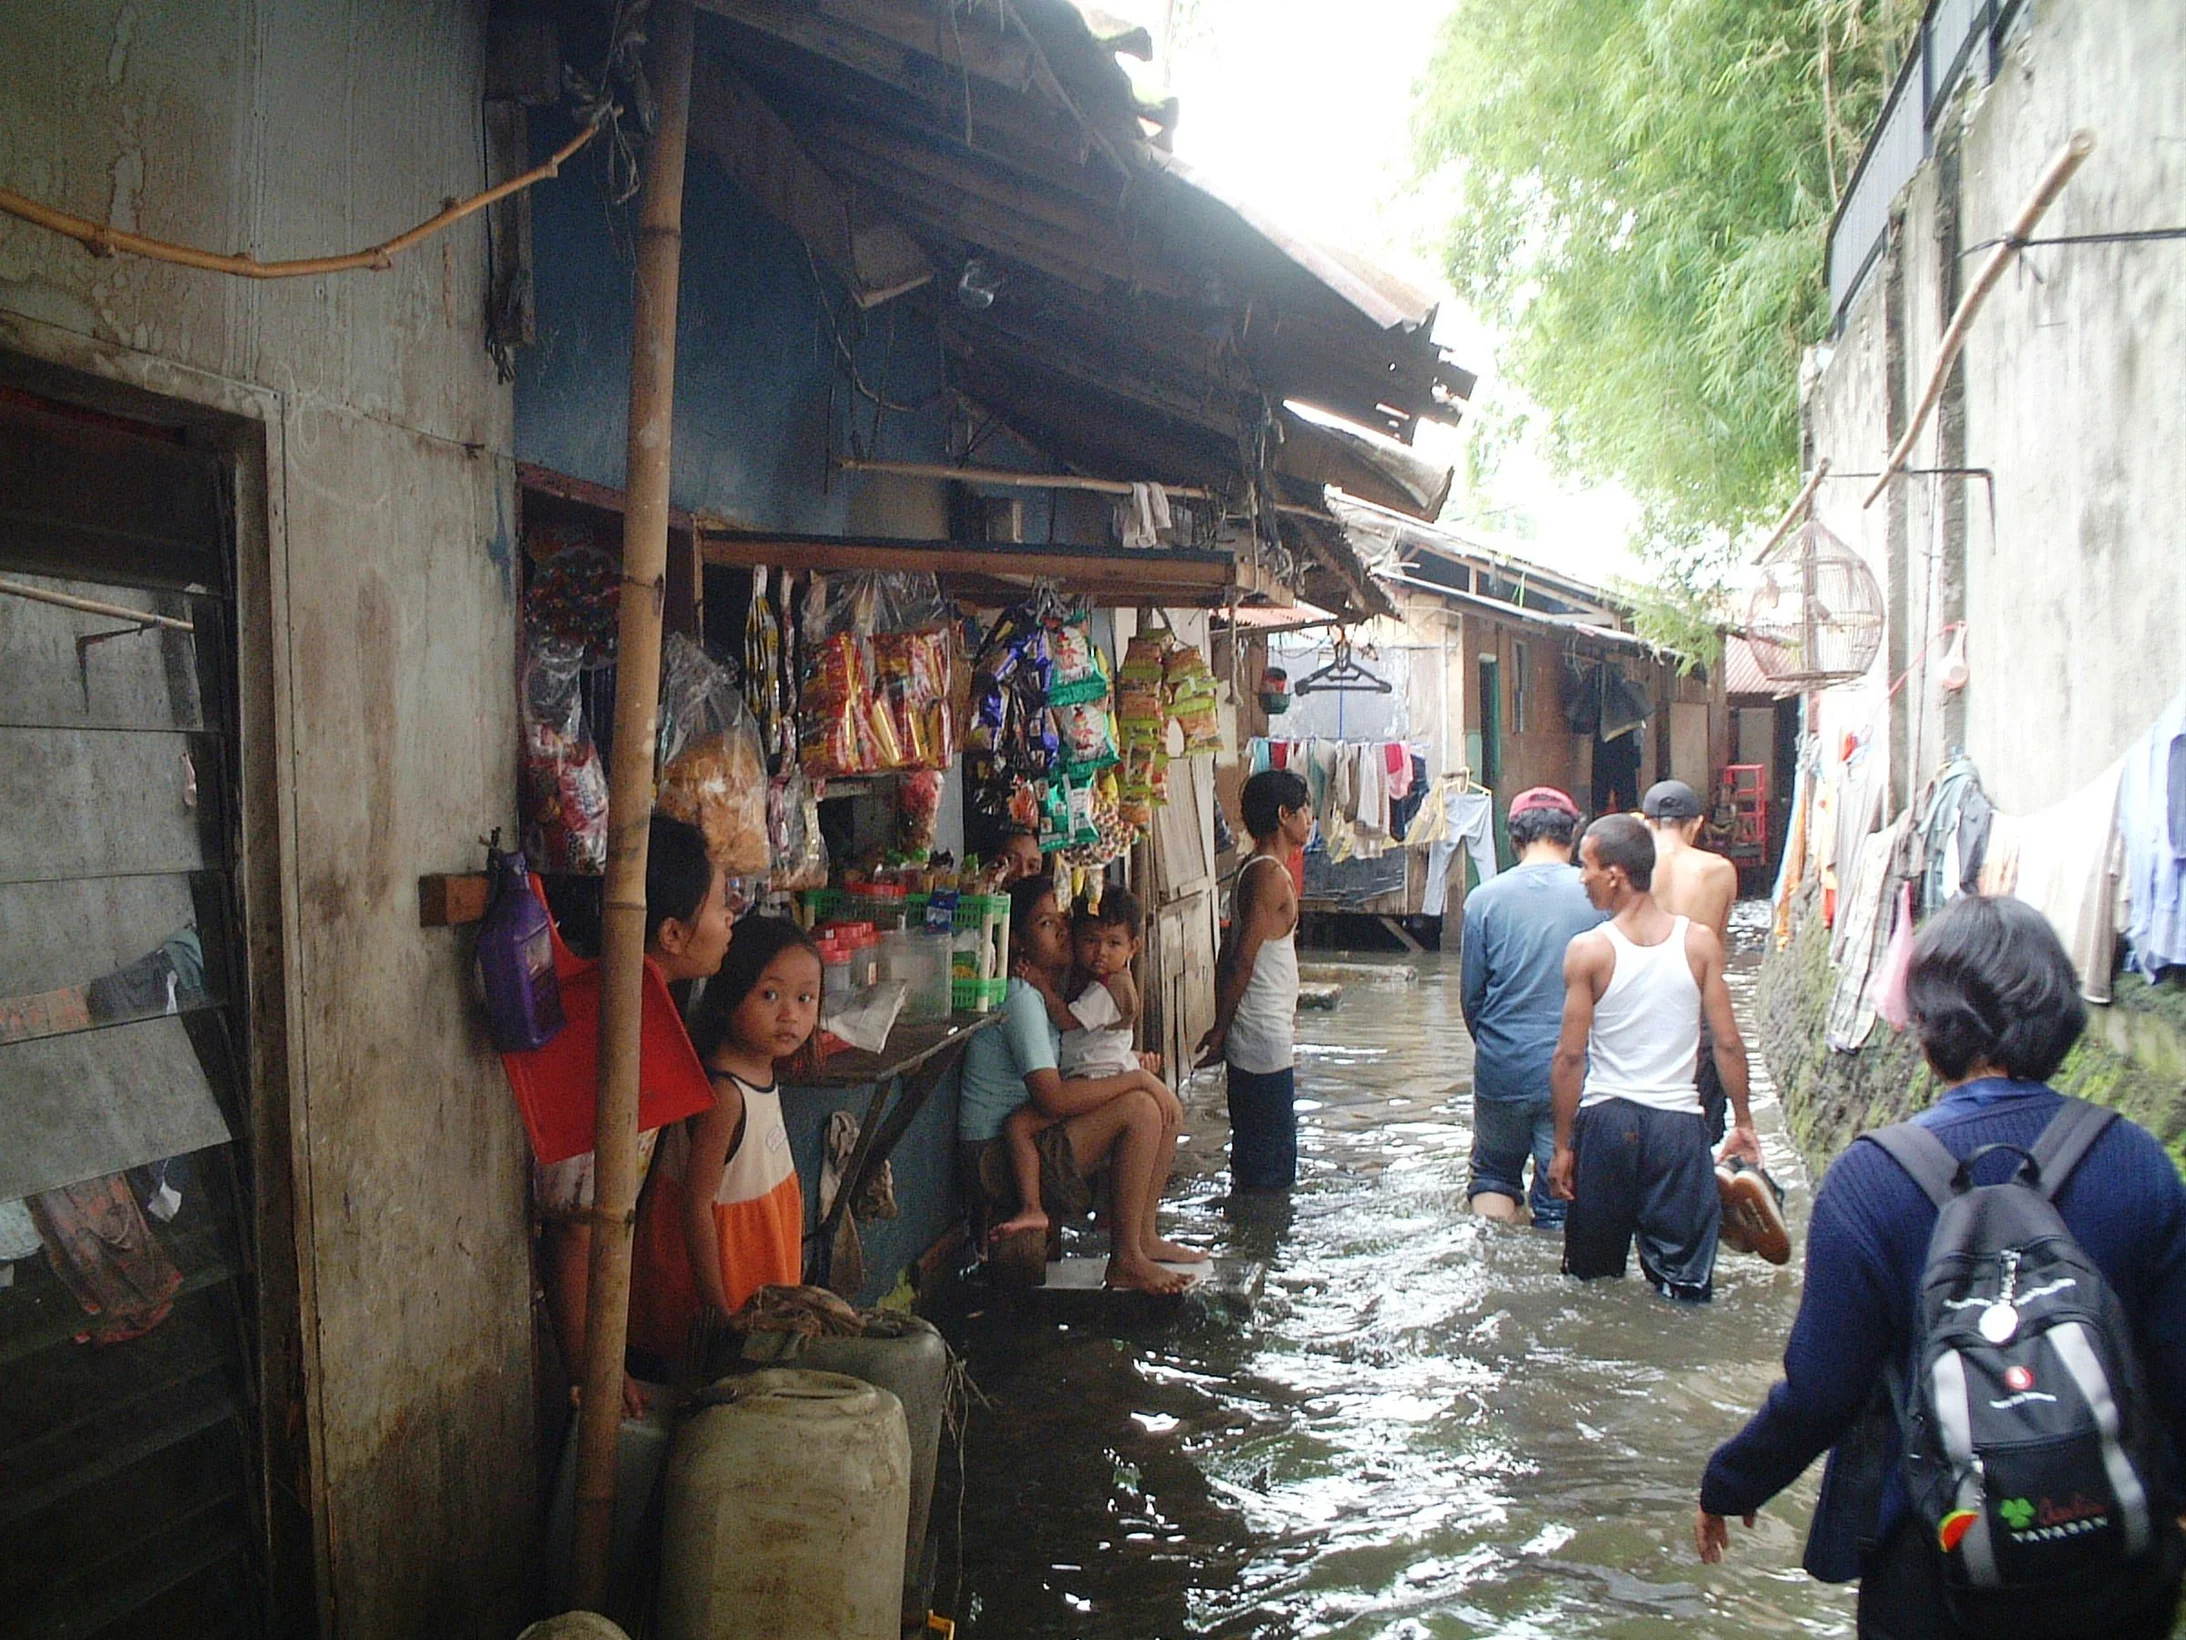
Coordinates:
[1816,618]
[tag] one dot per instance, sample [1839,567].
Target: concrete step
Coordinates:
[1073,1290]
[1321,994]
[1394,976]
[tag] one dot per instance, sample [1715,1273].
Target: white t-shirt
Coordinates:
[1101,1045]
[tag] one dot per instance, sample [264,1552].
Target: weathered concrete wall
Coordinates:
[381,529]
[2075,593]
[2132,1058]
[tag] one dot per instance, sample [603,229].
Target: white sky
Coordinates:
[1304,107]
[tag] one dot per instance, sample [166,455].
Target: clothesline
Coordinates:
[2124,829]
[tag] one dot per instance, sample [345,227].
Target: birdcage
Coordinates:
[1816,617]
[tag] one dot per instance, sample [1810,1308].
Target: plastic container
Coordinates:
[641,1446]
[914,1368]
[515,951]
[921,960]
[884,905]
[787,1504]
[835,980]
[821,905]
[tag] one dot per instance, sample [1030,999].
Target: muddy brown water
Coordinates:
[1423,1429]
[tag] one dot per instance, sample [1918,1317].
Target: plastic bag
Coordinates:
[914,673]
[565,784]
[793,833]
[714,771]
[918,811]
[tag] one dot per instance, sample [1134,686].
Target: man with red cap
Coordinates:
[1517,927]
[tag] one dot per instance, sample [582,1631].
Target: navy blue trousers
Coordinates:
[1263,1128]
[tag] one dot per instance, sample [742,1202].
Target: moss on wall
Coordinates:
[2133,1057]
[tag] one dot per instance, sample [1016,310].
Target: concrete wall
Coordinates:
[379,621]
[2075,596]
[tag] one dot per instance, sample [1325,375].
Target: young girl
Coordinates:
[725,1215]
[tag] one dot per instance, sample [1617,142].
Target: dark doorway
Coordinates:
[1616,774]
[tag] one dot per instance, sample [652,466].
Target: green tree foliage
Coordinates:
[1646,186]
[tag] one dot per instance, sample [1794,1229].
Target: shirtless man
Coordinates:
[1632,1157]
[1692,882]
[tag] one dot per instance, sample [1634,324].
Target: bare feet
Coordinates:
[1030,1219]
[1174,1252]
[1142,1275]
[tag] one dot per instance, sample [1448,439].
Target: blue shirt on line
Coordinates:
[1866,1248]
[997,1061]
[1516,931]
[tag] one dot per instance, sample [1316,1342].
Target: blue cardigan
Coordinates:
[1866,1248]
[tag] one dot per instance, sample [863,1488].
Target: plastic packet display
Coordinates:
[1077,670]
[914,673]
[918,811]
[793,833]
[565,784]
[714,771]
[1086,738]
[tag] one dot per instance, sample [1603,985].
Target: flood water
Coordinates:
[1422,1429]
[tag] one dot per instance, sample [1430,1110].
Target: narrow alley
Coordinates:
[1422,1430]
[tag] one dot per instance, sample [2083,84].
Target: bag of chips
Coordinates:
[565,784]
[714,772]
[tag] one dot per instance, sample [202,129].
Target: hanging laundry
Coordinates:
[1461,816]
[2152,819]
[1403,809]
[1863,931]
[1145,516]
[1370,799]
[106,1256]
[2068,866]
[1791,870]
[1398,761]
[1941,855]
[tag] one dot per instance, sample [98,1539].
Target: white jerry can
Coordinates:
[788,1496]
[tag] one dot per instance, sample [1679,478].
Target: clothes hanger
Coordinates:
[1342,676]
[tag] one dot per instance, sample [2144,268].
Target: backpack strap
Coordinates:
[2071,1133]
[1923,1155]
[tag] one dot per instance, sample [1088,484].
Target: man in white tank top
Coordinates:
[1256,987]
[1632,1153]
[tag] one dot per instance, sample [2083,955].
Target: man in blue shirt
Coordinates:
[1516,931]
[1123,1126]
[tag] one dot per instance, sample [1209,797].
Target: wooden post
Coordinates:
[630,798]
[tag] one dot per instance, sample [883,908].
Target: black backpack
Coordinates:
[2029,1449]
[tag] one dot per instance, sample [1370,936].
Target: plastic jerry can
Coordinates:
[914,1368]
[787,1498]
[641,1447]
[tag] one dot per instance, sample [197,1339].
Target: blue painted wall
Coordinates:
[758,378]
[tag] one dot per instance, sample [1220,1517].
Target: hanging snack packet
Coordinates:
[1079,673]
[565,785]
[713,772]
[833,721]
[1088,741]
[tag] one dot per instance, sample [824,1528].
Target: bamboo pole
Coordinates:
[1003,478]
[2055,175]
[92,606]
[1799,504]
[630,798]
[101,240]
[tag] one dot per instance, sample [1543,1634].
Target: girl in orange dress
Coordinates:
[725,1215]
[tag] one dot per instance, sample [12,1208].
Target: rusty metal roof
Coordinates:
[1108,302]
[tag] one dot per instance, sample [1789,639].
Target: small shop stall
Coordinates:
[839,717]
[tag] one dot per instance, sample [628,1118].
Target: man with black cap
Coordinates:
[1516,930]
[1691,882]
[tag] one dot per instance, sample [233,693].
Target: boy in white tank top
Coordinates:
[1632,1153]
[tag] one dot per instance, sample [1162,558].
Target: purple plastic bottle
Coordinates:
[516,959]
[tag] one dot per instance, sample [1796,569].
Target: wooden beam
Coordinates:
[1003,478]
[1155,576]
[969,43]
[734,126]
[1205,411]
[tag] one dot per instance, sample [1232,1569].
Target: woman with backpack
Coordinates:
[1992,1339]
